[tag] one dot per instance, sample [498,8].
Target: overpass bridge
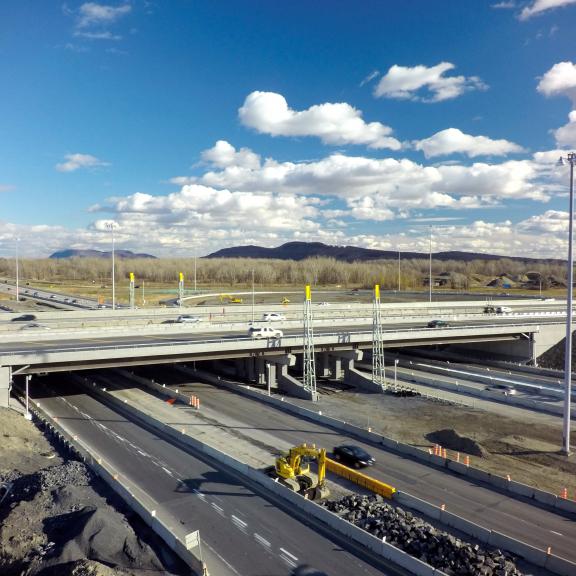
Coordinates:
[338,343]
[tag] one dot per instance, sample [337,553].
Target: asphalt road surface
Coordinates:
[242,533]
[478,503]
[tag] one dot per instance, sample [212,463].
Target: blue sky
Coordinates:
[196,125]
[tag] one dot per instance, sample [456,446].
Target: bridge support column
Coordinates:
[286,383]
[323,364]
[5,385]
[265,372]
[354,377]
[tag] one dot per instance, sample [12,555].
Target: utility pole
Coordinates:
[195,258]
[110,226]
[398,270]
[132,292]
[17,271]
[430,270]
[571,159]
[252,295]
[309,360]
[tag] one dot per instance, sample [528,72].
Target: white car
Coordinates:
[503,309]
[324,304]
[259,332]
[187,319]
[273,317]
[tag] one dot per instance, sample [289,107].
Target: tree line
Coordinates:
[318,271]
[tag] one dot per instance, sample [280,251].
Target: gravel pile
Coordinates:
[420,539]
[71,473]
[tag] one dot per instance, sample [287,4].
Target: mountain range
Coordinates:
[303,250]
[122,254]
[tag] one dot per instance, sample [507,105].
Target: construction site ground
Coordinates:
[58,519]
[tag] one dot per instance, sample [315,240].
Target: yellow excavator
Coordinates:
[293,470]
[229,299]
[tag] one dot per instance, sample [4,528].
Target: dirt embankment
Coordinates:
[58,519]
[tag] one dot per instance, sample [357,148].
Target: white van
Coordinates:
[503,309]
[258,332]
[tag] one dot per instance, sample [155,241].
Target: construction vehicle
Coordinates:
[285,300]
[229,299]
[292,470]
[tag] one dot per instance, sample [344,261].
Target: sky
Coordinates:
[193,125]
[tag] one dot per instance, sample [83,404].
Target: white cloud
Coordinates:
[378,188]
[223,155]
[559,80]
[566,135]
[333,123]
[540,6]
[506,5]
[104,35]
[93,14]
[404,82]
[6,187]
[452,140]
[76,161]
[370,77]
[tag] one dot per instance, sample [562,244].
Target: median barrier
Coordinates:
[307,507]
[529,553]
[475,530]
[565,505]
[521,489]
[430,510]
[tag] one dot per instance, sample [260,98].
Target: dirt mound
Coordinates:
[449,438]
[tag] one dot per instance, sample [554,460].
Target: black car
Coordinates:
[438,324]
[24,318]
[353,456]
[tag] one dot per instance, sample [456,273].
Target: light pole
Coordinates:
[252,295]
[395,373]
[110,226]
[430,270]
[194,269]
[17,271]
[398,270]
[571,160]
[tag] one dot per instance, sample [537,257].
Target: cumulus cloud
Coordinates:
[223,155]
[452,140]
[566,135]
[93,14]
[559,80]
[539,6]
[405,83]
[334,123]
[75,162]
[93,20]
[506,5]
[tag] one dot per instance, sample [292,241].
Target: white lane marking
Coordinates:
[288,554]
[218,509]
[206,545]
[558,533]
[199,494]
[142,453]
[262,540]
[237,520]
[240,524]
[169,472]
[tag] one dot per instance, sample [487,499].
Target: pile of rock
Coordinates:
[420,539]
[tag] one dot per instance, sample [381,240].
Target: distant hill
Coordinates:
[122,254]
[303,250]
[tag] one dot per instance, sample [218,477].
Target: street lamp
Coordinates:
[430,269]
[395,373]
[571,160]
[398,269]
[17,271]
[252,295]
[110,226]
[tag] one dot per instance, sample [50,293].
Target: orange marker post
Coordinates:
[467,461]
[564,493]
[444,453]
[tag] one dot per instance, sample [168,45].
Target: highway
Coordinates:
[242,532]
[478,503]
[193,333]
